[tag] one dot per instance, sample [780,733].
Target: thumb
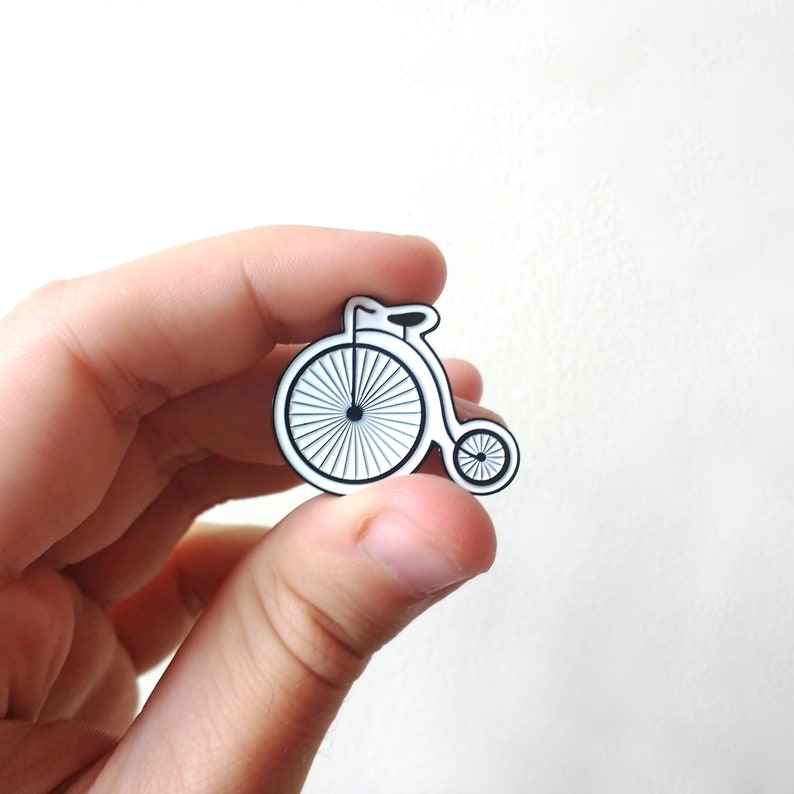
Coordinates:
[248,698]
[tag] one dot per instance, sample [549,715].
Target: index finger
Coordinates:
[83,360]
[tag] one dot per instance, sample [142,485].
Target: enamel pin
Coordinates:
[370,402]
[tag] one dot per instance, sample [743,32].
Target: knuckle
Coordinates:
[194,488]
[48,298]
[55,313]
[312,637]
[170,446]
[38,624]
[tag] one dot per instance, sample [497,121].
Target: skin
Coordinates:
[134,399]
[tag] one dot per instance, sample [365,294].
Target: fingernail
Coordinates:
[403,549]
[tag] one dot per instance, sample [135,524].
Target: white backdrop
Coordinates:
[611,183]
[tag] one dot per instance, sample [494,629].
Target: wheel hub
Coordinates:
[354,413]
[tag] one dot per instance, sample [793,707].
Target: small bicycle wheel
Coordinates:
[354,414]
[483,458]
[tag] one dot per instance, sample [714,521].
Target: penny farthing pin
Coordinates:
[371,401]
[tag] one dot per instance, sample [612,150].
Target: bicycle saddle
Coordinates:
[407,319]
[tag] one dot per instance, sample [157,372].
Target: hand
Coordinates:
[131,401]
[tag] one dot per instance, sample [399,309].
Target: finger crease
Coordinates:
[171,449]
[271,326]
[312,639]
[149,394]
[190,595]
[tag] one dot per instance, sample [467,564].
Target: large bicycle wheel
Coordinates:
[354,414]
[485,457]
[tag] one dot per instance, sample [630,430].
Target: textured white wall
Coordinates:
[612,185]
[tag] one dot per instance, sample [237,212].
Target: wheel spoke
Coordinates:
[388,380]
[326,444]
[384,436]
[360,445]
[375,378]
[481,457]
[333,377]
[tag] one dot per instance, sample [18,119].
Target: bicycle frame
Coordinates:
[442,419]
